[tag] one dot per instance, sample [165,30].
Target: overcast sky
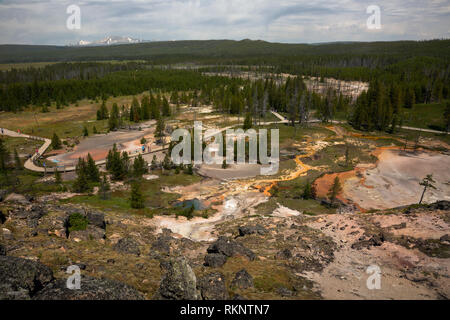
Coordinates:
[294,21]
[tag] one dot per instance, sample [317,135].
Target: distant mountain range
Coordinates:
[110,40]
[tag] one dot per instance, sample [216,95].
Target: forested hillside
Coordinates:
[400,75]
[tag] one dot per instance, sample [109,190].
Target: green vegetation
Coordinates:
[77,222]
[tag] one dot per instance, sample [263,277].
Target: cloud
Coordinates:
[297,21]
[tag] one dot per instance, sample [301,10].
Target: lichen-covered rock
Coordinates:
[242,280]
[127,245]
[212,287]
[21,279]
[179,281]
[90,289]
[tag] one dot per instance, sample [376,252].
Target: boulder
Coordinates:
[230,248]
[242,280]
[127,245]
[97,219]
[91,233]
[179,281]
[163,244]
[441,205]
[212,287]
[215,260]
[21,279]
[17,198]
[91,289]
[257,229]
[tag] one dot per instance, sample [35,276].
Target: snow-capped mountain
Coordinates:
[110,40]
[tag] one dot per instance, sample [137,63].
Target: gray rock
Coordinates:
[242,280]
[127,245]
[257,229]
[17,198]
[91,233]
[215,260]
[97,219]
[20,279]
[179,282]
[285,292]
[91,289]
[212,287]
[230,248]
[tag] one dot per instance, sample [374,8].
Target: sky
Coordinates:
[289,21]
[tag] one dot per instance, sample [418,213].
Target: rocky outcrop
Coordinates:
[90,289]
[374,240]
[21,279]
[230,248]
[257,229]
[127,245]
[224,248]
[242,280]
[179,281]
[212,287]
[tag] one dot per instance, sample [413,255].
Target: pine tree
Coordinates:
[56,142]
[427,182]
[154,163]
[93,173]
[113,121]
[58,179]
[166,108]
[248,122]
[81,183]
[335,189]
[105,188]
[137,198]
[85,131]
[140,166]
[160,128]
[309,191]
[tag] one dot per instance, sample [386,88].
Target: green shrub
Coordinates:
[77,222]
